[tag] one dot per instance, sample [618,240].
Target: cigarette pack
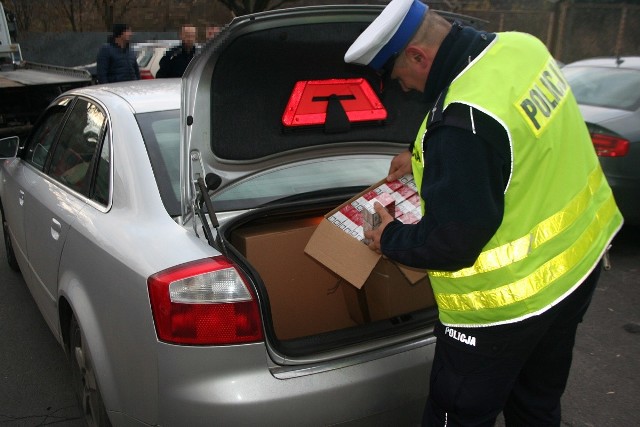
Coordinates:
[370,218]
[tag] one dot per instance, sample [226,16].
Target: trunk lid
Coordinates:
[236,91]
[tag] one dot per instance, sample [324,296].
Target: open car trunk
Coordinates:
[237,95]
[309,308]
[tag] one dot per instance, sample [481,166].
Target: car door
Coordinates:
[57,200]
[24,172]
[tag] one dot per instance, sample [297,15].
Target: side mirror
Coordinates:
[9,147]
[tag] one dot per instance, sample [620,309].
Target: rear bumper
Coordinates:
[233,386]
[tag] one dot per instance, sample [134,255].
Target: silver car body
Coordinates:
[89,256]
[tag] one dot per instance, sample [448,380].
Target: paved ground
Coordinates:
[604,385]
[35,381]
[603,390]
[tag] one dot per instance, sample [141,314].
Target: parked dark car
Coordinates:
[608,92]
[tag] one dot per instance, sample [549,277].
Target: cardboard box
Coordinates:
[304,296]
[387,293]
[338,241]
[374,287]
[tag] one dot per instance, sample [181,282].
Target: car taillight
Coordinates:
[609,145]
[204,302]
[146,75]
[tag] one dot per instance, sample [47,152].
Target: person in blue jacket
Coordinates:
[116,61]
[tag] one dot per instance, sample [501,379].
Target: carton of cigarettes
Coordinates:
[337,242]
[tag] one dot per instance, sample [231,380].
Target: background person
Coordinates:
[211,31]
[176,59]
[516,212]
[116,61]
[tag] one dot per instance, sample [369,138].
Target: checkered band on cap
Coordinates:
[388,34]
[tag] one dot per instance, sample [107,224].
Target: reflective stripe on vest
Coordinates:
[515,251]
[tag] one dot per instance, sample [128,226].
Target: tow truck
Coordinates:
[27,88]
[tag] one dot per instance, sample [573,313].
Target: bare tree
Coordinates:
[113,11]
[244,7]
[23,11]
[72,11]
[188,5]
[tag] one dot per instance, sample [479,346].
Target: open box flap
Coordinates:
[350,259]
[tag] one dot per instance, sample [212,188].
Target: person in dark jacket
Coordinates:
[116,60]
[175,61]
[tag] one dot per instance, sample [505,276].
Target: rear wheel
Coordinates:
[84,379]
[11,256]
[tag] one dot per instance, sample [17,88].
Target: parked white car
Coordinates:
[149,54]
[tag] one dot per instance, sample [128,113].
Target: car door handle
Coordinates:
[56,228]
[21,197]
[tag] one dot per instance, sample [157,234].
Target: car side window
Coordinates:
[73,155]
[43,135]
[101,184]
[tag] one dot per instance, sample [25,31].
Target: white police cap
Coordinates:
[388,34]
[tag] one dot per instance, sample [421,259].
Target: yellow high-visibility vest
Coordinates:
[559,211]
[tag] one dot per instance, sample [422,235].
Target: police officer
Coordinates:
[176,60]
[516,212]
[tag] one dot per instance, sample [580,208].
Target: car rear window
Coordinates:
[605,87]
[161,133]
[308,177]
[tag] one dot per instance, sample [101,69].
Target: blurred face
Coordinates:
[188,36]
[124,38]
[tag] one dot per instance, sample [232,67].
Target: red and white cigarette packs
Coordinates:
[400,198]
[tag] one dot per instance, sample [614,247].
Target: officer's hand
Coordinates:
[400,166]
[375,235]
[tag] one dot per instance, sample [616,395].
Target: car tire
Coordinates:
[84,380]
[11,256]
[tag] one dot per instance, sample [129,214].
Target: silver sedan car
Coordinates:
[161,226]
